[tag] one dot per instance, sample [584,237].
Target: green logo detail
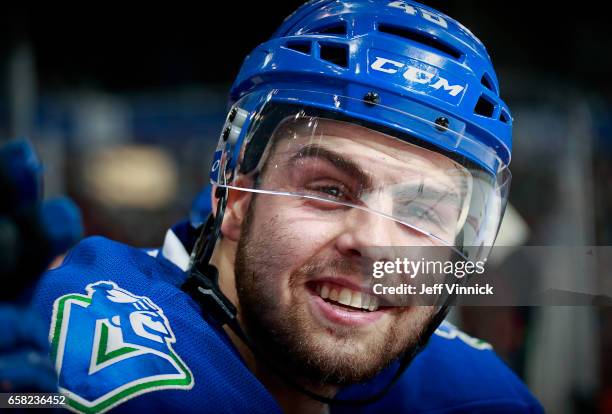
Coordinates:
[104,355]
[110,346]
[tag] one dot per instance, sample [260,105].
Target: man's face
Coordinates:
[299,267]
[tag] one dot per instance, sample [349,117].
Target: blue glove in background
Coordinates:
[32,234]
[24,352]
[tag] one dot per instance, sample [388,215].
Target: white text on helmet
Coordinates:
[414,74]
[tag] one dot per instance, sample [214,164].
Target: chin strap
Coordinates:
[203,286]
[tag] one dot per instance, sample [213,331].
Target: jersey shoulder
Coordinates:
[97,258]
[125,336]
[473,377]
[455,373]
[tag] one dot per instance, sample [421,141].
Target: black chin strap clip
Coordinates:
[203,287]
[203,281]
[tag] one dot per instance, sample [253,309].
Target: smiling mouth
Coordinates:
[345,297]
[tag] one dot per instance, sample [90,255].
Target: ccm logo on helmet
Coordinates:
[416,75]
[427,15]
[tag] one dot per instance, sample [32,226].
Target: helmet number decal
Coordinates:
[425,14]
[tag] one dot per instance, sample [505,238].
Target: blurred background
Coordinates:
[125,104]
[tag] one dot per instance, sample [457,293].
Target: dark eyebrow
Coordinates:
[345,165]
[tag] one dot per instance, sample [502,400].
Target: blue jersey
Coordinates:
[124,336]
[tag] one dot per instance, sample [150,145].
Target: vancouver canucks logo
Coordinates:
[111,345]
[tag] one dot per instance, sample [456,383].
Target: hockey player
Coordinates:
[359,127]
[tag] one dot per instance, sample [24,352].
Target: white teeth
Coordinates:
[373,304]
[356,300]
[324,291]
[365,301]
[347,297]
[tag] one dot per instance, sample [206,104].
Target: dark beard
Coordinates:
[280,336]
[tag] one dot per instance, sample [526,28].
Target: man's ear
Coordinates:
[236,209]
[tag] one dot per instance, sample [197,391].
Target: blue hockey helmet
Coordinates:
[397,69]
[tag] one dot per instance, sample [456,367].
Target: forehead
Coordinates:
[382,156]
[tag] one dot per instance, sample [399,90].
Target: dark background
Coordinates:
[88,82]
[129,48]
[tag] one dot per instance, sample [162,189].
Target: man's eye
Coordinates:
[330,190]
[422,213]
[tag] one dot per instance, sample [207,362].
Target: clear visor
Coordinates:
[395,190]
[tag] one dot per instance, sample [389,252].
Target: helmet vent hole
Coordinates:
[334,29]
[424,39]
[335,53]
[302,47]
[484,107]
[487,82]
[504,117]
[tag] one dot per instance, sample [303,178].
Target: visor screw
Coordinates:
[226,132]
[442,124]
[232,114]
[371,98]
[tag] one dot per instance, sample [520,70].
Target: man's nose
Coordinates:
[367,234]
